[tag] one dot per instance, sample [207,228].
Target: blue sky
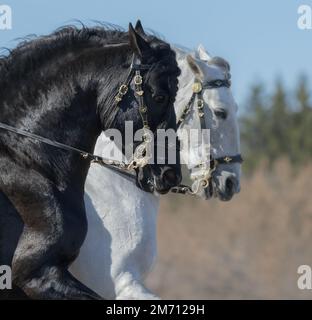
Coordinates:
[259,38]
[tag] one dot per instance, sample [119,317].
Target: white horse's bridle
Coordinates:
[203,177]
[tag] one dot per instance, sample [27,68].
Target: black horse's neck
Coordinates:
[61,88]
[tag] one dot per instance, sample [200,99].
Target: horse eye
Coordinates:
[220,113]
[159,99]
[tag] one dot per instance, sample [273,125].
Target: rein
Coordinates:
[140,156]
[203,180]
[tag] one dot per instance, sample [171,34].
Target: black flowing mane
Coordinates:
[26,65]
[34,50]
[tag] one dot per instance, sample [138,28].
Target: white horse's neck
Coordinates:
[120,247]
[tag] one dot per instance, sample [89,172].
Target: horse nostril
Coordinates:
[230,186]
[170,178]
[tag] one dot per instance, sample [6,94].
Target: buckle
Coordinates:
[197,87]
[227,159]
[138,79]
[123,89]
[143,109]
[200,103]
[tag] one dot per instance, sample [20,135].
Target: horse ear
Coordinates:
[195,67]
[203,54]
[137,43]
[139,28]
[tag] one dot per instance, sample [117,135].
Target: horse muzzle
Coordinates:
[224,186]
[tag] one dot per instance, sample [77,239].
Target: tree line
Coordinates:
[276,125]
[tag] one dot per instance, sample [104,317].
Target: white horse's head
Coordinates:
[219,113]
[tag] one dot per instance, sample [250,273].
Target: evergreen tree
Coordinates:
[302,125]
[253,128]
[279,124]
[272,128]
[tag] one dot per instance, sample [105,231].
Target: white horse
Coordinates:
[121,245]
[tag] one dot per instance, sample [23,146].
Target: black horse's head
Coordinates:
[157,65]
[68,83]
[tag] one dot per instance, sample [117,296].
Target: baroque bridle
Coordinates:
[204,178]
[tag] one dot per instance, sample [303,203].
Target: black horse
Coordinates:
[63,87]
